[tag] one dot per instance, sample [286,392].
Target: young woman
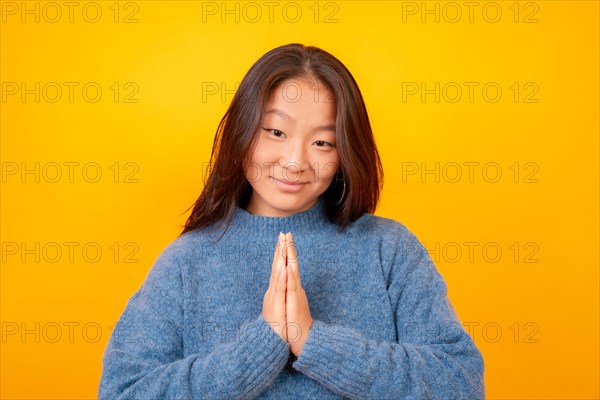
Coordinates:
[283,284]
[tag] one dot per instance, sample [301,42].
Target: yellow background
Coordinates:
[536,323]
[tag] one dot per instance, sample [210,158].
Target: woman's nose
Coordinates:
[295,160]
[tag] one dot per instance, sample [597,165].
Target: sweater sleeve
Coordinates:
[144,355]
[433,358]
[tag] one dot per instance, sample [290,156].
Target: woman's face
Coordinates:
[296,143]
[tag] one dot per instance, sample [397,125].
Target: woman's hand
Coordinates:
[274,300]
[298,318]
[285,306]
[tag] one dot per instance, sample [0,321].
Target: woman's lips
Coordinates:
[288,186]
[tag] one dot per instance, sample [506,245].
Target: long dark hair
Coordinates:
[360,166]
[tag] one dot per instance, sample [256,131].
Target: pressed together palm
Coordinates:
[285,306]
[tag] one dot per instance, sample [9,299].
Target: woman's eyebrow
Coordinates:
[278,112]
[329,127]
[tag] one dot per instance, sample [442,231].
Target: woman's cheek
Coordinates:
[327,171]
[266,151]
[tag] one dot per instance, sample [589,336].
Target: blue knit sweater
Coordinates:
[383,327]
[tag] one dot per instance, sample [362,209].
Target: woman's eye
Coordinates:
[322,143]
[275,132]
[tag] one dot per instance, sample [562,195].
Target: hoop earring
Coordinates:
[343,193]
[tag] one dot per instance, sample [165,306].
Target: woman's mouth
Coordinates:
[288,186]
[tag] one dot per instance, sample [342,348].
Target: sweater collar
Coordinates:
[314,218]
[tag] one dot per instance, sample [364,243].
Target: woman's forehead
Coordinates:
[294,98]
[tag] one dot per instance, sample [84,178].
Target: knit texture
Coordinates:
[383,327]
